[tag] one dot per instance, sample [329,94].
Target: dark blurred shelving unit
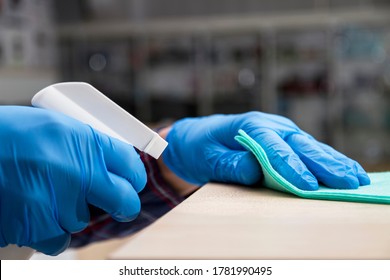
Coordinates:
[326,69]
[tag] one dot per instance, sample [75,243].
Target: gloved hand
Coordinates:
[51,167]
[203,149]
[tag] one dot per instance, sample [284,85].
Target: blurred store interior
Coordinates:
[323,63]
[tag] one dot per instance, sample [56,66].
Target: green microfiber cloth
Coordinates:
[377,192]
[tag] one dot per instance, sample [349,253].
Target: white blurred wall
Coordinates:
[28,52]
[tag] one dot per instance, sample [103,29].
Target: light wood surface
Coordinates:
[100,250]
[234,222]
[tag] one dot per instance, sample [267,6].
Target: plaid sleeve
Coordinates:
[157,198]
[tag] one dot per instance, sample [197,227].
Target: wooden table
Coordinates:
[236,222]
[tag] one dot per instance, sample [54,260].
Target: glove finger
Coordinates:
[284,160]
[237,167]
[53,246]
[329,170]
[122,159]
[116,196]
[46,235]
[34,225]
[356,167]
[75,217]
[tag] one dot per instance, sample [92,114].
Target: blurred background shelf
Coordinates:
[18,86]
[322,63]
[224,24]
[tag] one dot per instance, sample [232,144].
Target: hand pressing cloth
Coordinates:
[376,192]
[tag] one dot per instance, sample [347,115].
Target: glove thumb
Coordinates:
[237,167]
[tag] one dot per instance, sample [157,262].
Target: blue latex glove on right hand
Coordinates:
[51,167]
[203,149]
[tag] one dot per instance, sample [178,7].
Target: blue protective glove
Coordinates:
[51,167]
[203,149]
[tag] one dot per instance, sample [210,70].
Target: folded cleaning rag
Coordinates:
[377,192]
